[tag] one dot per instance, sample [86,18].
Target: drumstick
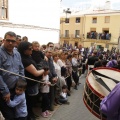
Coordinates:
[99,80]
[102,75]
[24,77]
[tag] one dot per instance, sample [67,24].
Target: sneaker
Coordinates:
[47,112]
[68,94]
[75,87]
[43,114]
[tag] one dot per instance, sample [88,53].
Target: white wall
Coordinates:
[43,13]
[42,36]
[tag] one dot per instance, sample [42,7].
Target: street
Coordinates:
[75,111]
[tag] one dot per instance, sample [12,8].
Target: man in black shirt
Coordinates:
[99,62]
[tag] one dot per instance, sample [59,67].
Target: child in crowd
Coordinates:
[19,101]
[63,96]
[36,53]
[45,88]
[38,56]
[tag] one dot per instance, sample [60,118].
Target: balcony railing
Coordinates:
[70,36]
[96,41]
[87,39]
[99,36]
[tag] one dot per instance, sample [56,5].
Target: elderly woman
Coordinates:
[31,71]
[61,79]
[58,69]
[62,59]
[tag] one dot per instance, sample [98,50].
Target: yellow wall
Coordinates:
[114,25]
[85,26]
[71,26]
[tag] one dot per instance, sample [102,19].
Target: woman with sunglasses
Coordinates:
[31,71]
[75,66]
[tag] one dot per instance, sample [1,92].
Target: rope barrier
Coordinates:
[26,77]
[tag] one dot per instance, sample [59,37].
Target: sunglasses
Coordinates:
[51,46]
[76,54]
[9,40]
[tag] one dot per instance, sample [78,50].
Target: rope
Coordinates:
[88,97]
[25,77]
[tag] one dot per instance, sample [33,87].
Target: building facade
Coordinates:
[31,18]
[99,27]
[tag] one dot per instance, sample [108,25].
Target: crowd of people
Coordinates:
[95,35]
[42,74]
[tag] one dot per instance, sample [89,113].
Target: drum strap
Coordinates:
[102,75]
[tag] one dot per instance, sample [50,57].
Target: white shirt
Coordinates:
[61,63]
[74,61]
[57,69]
[64,95]
[45,88]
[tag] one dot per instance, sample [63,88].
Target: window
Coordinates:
[78,20]
[107,19]
[94,20]
[77,33]
[66,33]
[67,20]
[3,9]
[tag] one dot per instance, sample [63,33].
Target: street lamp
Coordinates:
[66,12]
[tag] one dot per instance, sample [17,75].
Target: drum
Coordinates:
[94,91]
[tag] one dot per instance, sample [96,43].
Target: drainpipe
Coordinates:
[84,21]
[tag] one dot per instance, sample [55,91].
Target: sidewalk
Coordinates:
[37,111]
[76,110]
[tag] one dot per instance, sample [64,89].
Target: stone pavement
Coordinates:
[75,111]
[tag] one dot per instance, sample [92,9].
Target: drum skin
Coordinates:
[93,91]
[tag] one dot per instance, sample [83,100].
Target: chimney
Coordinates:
[107,5]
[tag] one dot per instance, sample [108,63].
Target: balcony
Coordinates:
[64,36]
[96,41]
[70,36]
[81,38]
[98,36]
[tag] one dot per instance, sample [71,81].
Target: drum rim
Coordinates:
[93,90]
[93,112]
[107,68]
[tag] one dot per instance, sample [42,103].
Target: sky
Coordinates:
[87,4]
